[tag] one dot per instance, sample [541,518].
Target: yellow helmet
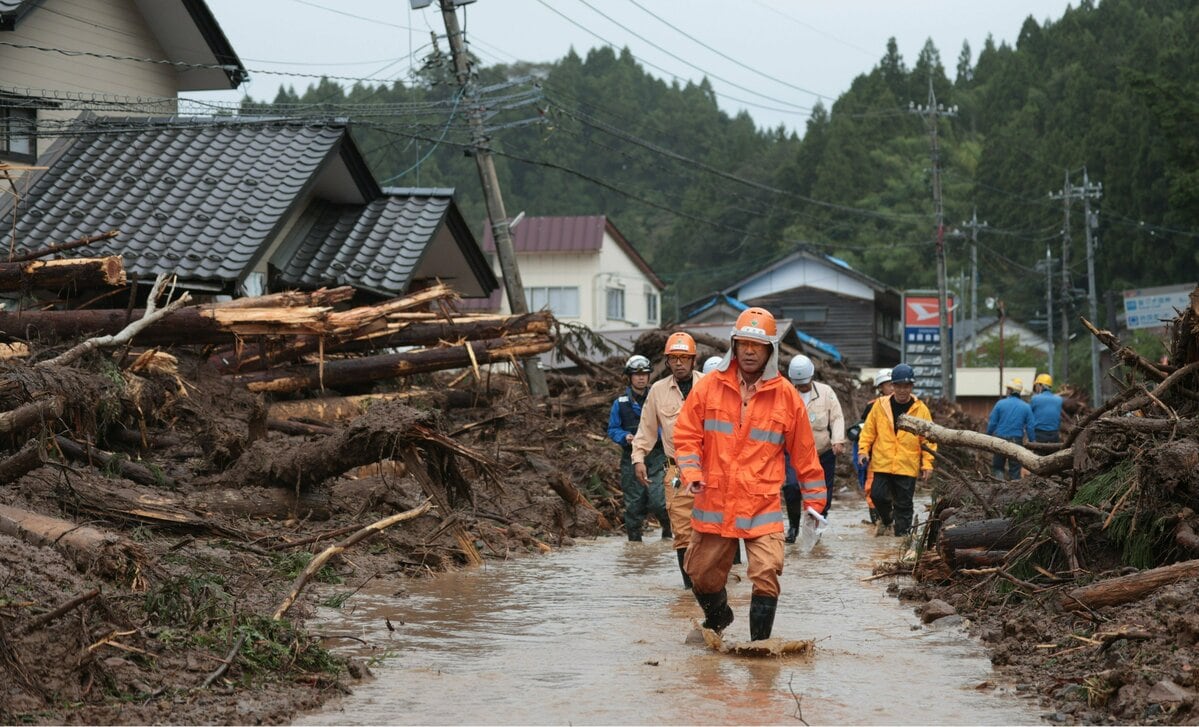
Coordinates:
[1016,384]
[1043,379]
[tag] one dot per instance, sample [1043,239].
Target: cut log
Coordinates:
[375,338]
[64,246]
[377,368]
[104,272]
[107,460]
[1041,465]
[27,459]
[978,558]
[320,298]
[298,428]
[90,549]
[30,415]
[994,534]
[1126,589]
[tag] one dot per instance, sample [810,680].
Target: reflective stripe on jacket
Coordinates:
[737,452]
[892,452]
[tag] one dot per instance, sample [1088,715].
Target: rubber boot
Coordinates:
[667,533]
[682,554]
[634,536]
[761,616]
[717,614]
[793,530]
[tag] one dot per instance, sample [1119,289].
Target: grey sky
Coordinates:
[772,58]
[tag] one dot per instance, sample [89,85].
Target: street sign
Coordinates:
[1152,307]
[922,348]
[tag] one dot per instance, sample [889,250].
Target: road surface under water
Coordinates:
[594,634]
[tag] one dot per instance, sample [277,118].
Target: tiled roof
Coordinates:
[379,245]
[199,198]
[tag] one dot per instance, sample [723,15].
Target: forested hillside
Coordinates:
[708,198]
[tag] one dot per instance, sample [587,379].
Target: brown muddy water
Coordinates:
[594,634]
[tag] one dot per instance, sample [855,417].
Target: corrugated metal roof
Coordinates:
[194,197]
[554,234]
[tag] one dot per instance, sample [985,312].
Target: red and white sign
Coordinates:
[924,312]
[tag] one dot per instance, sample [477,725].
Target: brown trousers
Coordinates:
[710,557]
[678,507]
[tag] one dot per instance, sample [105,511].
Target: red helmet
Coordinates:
[755,324]
[680,344]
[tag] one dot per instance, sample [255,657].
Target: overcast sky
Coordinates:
[772,58]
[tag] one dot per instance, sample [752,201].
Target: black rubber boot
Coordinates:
[761,616]
[793,530]
[667,533]
[717,614]
[635,537]
[682,553]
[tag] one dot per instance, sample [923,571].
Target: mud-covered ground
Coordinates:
[1131,663]
[147,648]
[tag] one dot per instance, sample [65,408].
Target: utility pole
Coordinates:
[974,226]
[496,215]
[1066,196]
[1049,304]
[933,111]
[1090,222]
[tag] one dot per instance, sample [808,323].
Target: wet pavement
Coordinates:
[594,634]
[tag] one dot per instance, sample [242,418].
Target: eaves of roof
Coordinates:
[839,266]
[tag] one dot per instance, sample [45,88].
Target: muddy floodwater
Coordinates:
[594,634]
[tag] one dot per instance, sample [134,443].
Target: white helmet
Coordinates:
[883,376]
[711,364]
[801,370]
[637,364]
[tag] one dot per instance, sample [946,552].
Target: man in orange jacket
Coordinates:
[729,442]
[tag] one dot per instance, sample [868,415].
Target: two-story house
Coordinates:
[584,270]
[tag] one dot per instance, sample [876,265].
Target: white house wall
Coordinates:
[804,273]
[593,273]
[113,27]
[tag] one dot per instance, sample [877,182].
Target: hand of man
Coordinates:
[640,473]
[839,449]
[695,488]
[925,475]
[863,460]
[628,438]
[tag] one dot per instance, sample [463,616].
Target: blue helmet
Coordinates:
[902,374]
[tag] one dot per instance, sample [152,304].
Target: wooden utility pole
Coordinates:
[934,110]
[496,214]
[1068,194]
[974,226]
[1090,222]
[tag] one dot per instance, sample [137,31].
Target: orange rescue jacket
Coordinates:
[738,454]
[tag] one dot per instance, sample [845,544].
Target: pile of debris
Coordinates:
[160,519]
[1083,576]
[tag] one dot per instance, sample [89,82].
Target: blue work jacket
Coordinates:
[1046,411]
[1011,418]
[624,417]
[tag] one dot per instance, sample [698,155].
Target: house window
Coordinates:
[616,304]
[562,300]
[17,127]
[807,314]
[651,307]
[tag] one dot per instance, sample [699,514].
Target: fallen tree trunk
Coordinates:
[30,415]
[193,511]
[27,459]
[414,333]
[107,460]
[1042,465]
[377,368]
[111,555]
[1125,589]
[993,534]
[104,272]
[384,432]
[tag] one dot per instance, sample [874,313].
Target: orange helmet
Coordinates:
[755,324]
[680,344]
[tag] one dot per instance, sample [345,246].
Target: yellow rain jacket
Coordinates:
[892,452]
